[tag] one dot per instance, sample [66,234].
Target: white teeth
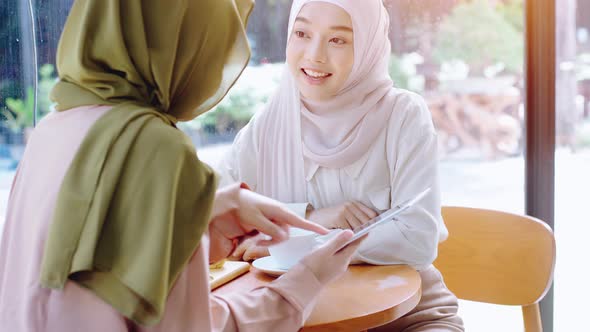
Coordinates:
[315,73]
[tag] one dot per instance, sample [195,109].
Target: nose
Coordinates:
[316,51]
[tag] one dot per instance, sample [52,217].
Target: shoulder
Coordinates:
[410,112]
[411,106]
[408,99]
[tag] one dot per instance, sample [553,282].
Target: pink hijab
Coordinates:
[340,130]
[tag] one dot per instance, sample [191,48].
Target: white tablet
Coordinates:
[385,217]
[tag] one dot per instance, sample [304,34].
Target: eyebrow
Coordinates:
[337,27]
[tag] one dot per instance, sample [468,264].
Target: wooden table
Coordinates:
[366,296]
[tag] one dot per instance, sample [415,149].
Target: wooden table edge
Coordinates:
[361,323]
[373,320]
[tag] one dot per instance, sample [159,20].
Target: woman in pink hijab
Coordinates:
[340,144]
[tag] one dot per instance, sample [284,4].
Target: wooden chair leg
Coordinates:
[532,318]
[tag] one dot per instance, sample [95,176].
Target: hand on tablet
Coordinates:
[330,261]
[344,216]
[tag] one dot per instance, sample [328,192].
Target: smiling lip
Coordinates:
[315,77]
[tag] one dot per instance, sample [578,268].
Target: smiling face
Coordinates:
[320,51]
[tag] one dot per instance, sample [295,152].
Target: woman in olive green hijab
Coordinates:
[111,212]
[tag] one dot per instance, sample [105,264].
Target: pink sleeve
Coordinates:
[283,305]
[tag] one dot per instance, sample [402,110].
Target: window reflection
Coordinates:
[572,161]
[29,35]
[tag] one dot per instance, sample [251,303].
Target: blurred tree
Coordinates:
[396,72]
[513,12]
[20,32]
[478,33]
[11,55]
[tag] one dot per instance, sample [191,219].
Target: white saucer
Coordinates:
[269,266]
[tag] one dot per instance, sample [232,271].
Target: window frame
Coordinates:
[540,81]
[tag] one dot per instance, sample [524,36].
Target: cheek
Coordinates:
[348,61]
[345,62]
[293,55]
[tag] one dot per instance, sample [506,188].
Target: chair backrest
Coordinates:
[497,257]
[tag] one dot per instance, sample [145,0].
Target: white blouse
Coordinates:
[401,163]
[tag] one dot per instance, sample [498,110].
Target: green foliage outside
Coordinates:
[249,94]
[403,70]
[47,80]
[231,114]
[482,35]
[19,113]
[513,13]
[399,76]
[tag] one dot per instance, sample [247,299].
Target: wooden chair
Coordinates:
[499,258]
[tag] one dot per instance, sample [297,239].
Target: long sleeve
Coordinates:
[412,239]
[283,305]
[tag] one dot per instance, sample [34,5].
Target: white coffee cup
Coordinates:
[300,243]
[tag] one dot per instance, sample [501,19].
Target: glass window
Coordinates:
[17,80]
[572,162]
[464,57]
[28,39]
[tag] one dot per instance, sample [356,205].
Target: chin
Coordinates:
[313,97]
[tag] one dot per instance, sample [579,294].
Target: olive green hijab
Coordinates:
[136,200]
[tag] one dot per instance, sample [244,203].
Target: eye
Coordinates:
[338,41]
[300,34]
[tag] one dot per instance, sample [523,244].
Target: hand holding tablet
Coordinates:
[385,217]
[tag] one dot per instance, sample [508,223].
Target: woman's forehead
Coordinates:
[325,14]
